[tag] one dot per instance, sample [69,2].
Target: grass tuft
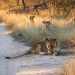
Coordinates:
[69,69]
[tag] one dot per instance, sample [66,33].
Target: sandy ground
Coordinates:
[26,65]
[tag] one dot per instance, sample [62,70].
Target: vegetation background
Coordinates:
[61,14]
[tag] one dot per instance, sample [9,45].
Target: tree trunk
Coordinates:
[17,2]
[24,4]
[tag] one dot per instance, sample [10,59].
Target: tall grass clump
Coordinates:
[69,68]
[39,33]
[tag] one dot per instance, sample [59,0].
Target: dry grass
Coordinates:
[69,69]
[36,31]
[5,4]
[1,19]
